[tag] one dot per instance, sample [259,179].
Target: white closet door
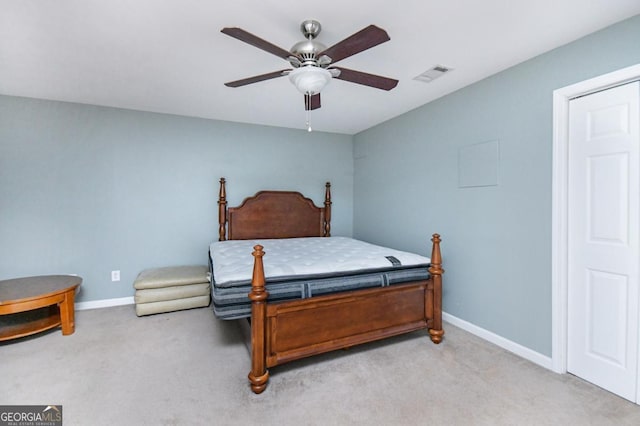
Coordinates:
[604,239]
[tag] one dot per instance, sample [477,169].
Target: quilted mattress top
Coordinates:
[302,257]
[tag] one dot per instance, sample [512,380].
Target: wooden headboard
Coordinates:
[273,214]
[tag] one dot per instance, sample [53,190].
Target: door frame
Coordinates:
[560,203]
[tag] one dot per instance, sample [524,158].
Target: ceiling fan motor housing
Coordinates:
[307,50]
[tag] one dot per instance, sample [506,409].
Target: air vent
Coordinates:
[433,73]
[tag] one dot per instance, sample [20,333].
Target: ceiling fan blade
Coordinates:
[256,41]
[312,103]
[257,78]
[371,80]
[358,42]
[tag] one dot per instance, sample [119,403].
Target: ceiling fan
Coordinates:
[313,63]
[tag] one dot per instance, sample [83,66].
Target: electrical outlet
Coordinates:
[115,275]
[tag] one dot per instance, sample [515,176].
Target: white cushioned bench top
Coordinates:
[171,276]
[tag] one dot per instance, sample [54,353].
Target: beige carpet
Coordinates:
[187,368]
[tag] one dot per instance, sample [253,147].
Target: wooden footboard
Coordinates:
[285,331]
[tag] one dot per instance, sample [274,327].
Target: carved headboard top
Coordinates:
[273,214]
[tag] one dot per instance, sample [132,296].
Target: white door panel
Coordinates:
[607,202]
[607,330]
[604,238]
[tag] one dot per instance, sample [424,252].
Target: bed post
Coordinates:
[259,375]
[436,272]
[222,211]
[327,210]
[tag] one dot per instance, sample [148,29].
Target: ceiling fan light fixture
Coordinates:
[310,80]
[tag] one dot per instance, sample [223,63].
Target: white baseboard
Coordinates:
[104,303]
[524,352]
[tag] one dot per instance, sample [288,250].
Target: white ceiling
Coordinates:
[169,55]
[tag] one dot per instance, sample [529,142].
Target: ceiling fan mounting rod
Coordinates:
[310,28]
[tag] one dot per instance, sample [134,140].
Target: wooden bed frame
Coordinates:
[286,331]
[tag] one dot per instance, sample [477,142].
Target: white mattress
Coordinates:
[314,256]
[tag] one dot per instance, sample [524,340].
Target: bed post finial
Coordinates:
[436,272]
[222,211]
[327,210]
[259,375]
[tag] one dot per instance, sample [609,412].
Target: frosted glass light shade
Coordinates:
[309,79]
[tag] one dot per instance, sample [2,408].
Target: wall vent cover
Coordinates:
[433,73]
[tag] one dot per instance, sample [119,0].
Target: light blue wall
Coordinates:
[496,239]
[88,190]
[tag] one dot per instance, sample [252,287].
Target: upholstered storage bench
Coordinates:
[171,289]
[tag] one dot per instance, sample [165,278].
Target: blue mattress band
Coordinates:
[233,302]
